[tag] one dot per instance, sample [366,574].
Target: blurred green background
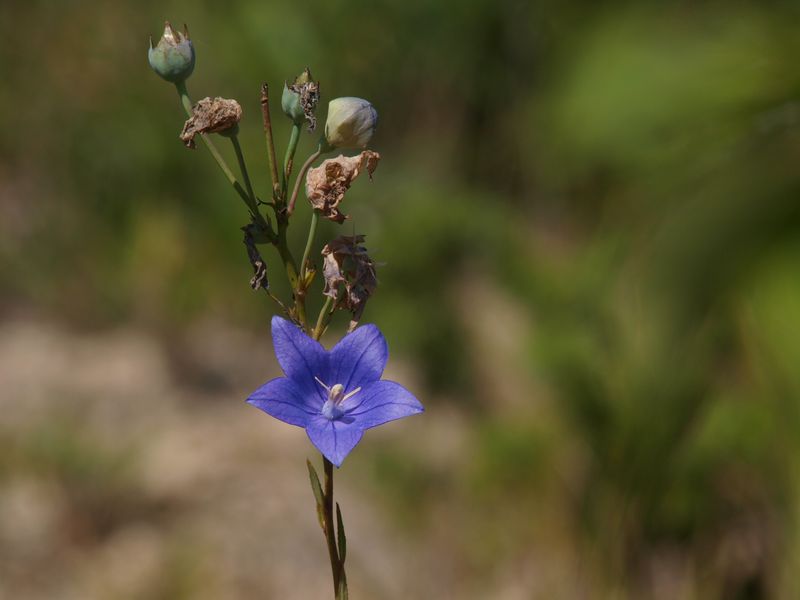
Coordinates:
[589,216]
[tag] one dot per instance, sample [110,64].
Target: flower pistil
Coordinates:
[332,409]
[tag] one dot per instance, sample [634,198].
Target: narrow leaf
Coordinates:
[321,517]
[342,592]
[318,495]
[316,487]
[340,535]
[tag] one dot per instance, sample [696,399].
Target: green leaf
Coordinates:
[341,537]
[316,487]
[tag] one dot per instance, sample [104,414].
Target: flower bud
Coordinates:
[299,100]
[351,123]
[173,57]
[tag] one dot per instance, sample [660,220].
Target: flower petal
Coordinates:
[335,439]
[359,358]
[300,357]
[283,399]
[381,402]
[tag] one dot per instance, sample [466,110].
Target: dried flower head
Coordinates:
[299,100]
[327,183]
[217,115]
[347,265]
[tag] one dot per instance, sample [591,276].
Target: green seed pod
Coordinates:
[351,123]
[173,57]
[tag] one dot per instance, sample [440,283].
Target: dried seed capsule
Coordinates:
[173,57]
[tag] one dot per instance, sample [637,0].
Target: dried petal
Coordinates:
[327,183]
[347,265]
[299,100]
[309,96]
[211,116]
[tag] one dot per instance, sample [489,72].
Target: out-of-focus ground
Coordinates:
[126,475]
[588,223]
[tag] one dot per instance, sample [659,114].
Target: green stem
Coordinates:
[283,222]
[337,568]
[291,274]
[237,148]
[187,106]
[301,177]
[288,159]
[312,230]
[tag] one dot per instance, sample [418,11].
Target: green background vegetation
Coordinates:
[589,215]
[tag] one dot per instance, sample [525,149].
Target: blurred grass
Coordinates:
[625,175]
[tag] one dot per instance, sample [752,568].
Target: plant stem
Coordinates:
[187,106]
[300,177]
[312,230]
[337,568]
[273,164]
[288,160]
[253,204]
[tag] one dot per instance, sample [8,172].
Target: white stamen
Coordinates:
[351,394]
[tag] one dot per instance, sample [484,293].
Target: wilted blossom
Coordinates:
[347,264]
[335,395]
[327,183]
[299,99]
[211,115]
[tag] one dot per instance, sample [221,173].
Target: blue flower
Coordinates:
[335,395]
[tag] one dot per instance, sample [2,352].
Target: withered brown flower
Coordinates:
[326,184]
[347,265]
[211,115]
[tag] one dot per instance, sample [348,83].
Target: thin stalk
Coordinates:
[187,106]
[288,159]
[291,274]
[312,230]
[237,148]
[273,164]
[337,568]
[300,177]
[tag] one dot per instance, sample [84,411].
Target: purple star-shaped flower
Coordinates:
[335,395]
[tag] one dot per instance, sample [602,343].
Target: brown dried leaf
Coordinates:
[347,265]
[326,184]
[211,116]
[259,279]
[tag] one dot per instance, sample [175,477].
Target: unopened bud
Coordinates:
[299,99]
[173,56]
[351,123]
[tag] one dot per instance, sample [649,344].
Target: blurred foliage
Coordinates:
[627,173]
